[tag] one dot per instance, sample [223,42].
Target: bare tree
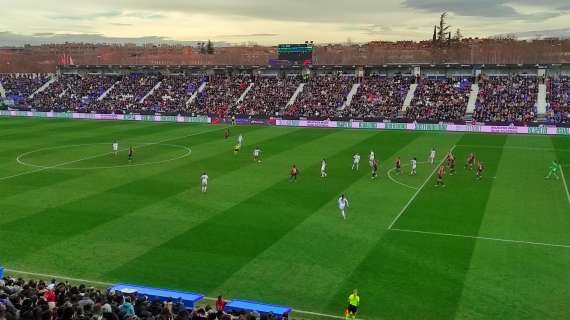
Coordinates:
[458,35]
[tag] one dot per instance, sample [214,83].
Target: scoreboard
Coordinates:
[300,53]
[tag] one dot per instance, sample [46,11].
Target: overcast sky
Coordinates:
[271,22]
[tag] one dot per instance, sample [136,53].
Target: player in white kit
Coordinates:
[257,154]
[414,166]
[204,181]
[115,147]
[342,205]
[323,168]
[355,161]
[432,156]
[240,140]
[371,158]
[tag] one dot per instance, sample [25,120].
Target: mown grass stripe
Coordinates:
[241,222]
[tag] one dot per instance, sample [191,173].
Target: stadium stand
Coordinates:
[507,99]
[173,94]
[221,95]
[378,97]
[268,97]
[39,300]
[322,96]
[558,97]
[128,93]
[439,100]
[19,87]
[499,99]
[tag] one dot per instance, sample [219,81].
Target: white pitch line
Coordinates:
[108,284]
[483,238]
[418,191]
[401,183]
[45,275]
[565,184]
[97,156]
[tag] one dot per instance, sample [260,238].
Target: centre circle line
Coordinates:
[399,182]
[60,166]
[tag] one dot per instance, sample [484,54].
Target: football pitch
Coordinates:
[495,248]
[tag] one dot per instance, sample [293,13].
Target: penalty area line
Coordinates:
[108,284]
[544,244]
[418,191]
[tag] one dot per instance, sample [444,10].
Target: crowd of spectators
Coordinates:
[322,96]
[220,95]
[19,87]
[39,300]
[558,97]
[126,95]
[507,99]
[173,94]
[268,96]
[439,100]
[378,97]
[500,99]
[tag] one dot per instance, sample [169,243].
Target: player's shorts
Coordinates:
[352,309]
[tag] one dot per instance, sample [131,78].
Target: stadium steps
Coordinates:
[245,92]
[156,86]
[409,97]
[2,91]
[473,98]
[106,93]
[541,103]
[351,94]
[296,94]
[42,88]
[195,94]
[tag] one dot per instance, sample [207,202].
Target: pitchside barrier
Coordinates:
[443,127]
[189,299]
[248,306]
[101,116]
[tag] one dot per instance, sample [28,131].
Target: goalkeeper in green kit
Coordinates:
[553,170]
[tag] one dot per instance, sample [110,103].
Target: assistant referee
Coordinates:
[353,303]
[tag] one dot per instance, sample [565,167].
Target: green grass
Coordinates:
[255,235]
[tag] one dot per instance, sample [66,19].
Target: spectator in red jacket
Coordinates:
[220,304]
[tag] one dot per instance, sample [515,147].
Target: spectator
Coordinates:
[220,304]
[507,99]
[378,97]
[439,100]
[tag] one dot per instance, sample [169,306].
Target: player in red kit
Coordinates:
[398,165]
[440,176]
[451,163]
[470,161]
[480,169]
